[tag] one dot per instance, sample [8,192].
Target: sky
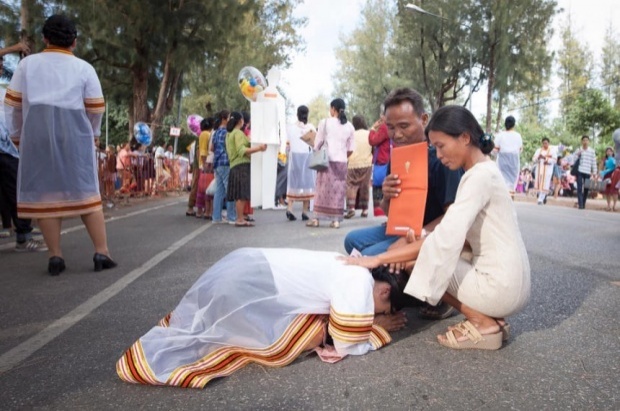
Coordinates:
[311,72]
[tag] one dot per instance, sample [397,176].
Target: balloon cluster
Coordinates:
[193,123]
[251,82]
[142,133]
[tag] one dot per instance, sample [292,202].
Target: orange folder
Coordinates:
[407,210]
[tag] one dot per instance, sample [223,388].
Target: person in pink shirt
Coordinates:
[336,134]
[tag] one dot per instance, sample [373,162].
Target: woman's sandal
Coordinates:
[505,329]
[313,223]
[349,214]
[475,340]
[244,224]
[334,224]
[364,214]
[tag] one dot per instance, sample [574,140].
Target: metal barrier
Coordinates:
[142,176]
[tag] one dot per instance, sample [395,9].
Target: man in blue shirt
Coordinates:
[221,167]
[9,163]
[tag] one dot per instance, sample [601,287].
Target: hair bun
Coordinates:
[486,143]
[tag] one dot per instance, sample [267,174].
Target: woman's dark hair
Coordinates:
[59,30]
[399,95]
[545,139]
[359,123]
[397,283]
[223,115]
[338,105]
[246,120]
[613,153]
[235,118]
[456,120]
[302,114]
[510,122]
[133,144]
[206,124]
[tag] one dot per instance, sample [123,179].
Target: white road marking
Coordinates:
[16,355]
[115,218]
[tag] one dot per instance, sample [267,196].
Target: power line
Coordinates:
[570,94]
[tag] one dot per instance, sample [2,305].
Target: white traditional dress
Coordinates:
[544,168]
[509,143]
[301,179]
[495,279]
[54,105]
[257,305]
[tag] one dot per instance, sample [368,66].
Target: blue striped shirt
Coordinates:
[220,157]
[6,145]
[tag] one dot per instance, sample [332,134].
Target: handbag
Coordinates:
[574,170]
[379,172]
[202,182]
[594,184]
[209,162]
[210,191]
[319,160]
[308,138]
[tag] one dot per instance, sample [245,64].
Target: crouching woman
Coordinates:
[490,282]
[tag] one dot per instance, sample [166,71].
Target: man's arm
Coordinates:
[20,47]
[377,134]
[15,112]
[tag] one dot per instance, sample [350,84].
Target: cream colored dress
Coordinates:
[495,278]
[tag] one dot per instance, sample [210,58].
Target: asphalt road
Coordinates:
[60,337]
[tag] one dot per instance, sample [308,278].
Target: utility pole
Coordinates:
[178,121]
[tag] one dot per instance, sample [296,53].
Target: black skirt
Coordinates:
[239,183]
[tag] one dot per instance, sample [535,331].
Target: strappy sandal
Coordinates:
[334,224]
[349,214]
[313,223]
[505,329]
[475,340]
[364,214]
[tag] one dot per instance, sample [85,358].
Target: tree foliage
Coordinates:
[469,42]
[319,109]
[365,62]
[610,67]
[574,66]
[514,52]
[433,53]
[270,38]
[592,114]
[146,52]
